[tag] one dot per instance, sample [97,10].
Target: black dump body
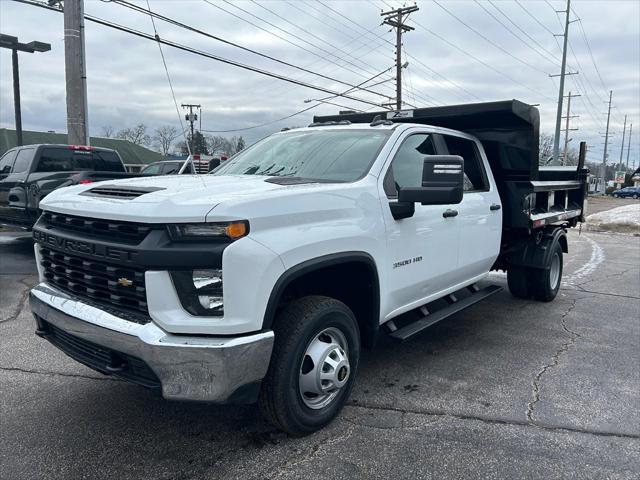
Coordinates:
[532,196]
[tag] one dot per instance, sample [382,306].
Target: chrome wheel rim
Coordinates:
[324,369]
[554,273]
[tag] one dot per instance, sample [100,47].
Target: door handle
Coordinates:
[495,206]
[449,213]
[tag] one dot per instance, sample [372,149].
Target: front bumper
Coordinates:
[199,368]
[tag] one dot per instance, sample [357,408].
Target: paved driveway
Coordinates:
[506,389]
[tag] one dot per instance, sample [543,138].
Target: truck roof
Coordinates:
[508,130]
[62,145]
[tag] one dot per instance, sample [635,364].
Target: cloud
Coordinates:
[127,83]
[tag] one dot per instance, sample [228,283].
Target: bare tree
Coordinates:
[107,131]
[216,144]
[137,134]
[164,137]
[546,148]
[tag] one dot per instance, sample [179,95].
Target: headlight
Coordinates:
[200,291]
[209,231]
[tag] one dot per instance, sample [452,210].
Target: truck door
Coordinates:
[6,164]
[422,249]
[13,185]
[480,213]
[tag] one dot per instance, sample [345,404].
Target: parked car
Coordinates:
[633,192]
[166,167]
[265,279]
[30,172]
[202,164]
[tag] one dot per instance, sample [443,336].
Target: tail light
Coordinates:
[85,181]
[84,148]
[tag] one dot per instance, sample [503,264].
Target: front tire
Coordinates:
[546,281]
[313,365]
[615,195]
[635,196]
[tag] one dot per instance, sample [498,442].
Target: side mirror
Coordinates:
[442,182]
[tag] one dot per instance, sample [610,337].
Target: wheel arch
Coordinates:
[306,278]
[535,251]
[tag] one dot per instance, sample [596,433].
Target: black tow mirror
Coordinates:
[442,182]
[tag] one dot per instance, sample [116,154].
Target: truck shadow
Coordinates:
[455,359]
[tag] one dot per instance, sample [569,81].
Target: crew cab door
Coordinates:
[479,214]
[6,165]
[13,183]
[422,250]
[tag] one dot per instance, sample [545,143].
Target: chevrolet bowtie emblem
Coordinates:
[125,282]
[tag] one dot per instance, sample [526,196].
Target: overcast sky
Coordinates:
[448,62]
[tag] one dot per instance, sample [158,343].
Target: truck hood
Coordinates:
[175,198]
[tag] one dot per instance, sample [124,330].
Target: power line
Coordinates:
[499,47]
[480,61]
[307,32]
[264,124]
[397,18]
[166,69]
[201,53]
[322,21]
[295,36]
[421,66]
[586,40]
[450,84]
[551,54]
[534,18]
[320,101]
[171,21]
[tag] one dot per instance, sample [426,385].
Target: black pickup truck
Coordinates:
[30,172]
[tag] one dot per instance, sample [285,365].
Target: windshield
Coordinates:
[328,155]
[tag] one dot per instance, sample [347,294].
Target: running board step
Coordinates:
[455,306]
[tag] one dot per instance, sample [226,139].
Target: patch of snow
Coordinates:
[626,216]
[597,257]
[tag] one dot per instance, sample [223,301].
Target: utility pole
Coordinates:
[566,128]
[624,131]
[76,73]
[629,145]
[12,43]
[191,118]
[556,138]
[396,19]
[606,143]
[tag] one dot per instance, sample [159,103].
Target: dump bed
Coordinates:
[532,196]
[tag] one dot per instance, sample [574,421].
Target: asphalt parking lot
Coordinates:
[506,389]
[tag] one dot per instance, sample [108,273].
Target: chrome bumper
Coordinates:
[200,368]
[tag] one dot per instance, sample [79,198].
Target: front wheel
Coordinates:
[313,365]
[546,281]
[615,195]
[635,196]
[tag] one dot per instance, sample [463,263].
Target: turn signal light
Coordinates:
[236,230]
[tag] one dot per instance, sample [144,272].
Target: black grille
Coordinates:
[98,228]
[97,357]
[101,282]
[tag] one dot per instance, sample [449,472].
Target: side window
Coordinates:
[23,160]
[6,162]
[474,176]
[55,160]
[170,168]
[152,169]
[406,167]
